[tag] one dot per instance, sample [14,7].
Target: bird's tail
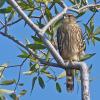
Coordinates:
[69,80]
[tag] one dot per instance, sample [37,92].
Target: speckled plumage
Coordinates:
[70,44]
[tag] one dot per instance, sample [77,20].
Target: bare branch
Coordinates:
[84,7]
[9,24]
[84,79]
[20,72]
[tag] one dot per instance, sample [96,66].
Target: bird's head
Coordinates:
[69,18]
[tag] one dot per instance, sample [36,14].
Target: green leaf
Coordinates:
[33,67]
[73,2]
[11,16]
[93,40]
[93,9]
[37,40]
[14,97]
[41,82]
[24,54]
[28,73]
[6,10]
[97,38]
[30,2]
[87,29]
[48,14]
[23,92]
[21,84]
[92,24]
[87,56]
[80,14]
[36,46]
[26,6]
[5,91]
[97,31]
[48,56]
[56,1]
[3,66]
[47,74]
[2,97]
[33,83]
[8,82]
[58,88]
[61,75]
[41,25]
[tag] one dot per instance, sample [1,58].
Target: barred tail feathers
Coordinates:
[69,80]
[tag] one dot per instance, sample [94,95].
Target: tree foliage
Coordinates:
[41,12]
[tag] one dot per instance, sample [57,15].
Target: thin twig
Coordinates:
[84,7]
[43,14]
[19,75]
[11,23]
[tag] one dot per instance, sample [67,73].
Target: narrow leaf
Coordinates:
[2,97]
[23,92]
[33,83]
[6,10]
[87,56]
[80,14]
[48,74]
[36,46]
[14,97]
[62,75]
[8,82]
[23,55]
[37,40]
[97,30]
[97,38]
[5,91]
[87,28]
[41,82]
[58,88]
[92,24]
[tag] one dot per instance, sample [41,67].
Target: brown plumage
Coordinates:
[70,44]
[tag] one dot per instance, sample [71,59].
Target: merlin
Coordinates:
[70,45]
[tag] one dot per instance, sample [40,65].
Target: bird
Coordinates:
[71,45]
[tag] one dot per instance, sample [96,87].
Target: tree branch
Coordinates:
[42,61]
[84,7]
[41,32]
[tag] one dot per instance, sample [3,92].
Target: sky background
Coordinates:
[9,51]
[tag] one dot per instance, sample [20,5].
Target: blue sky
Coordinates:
[10,50]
